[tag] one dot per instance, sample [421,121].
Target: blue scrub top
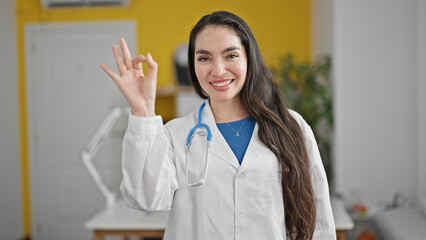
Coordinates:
[238,144]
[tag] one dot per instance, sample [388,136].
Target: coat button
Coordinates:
[241,175]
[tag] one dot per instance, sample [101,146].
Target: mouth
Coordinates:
[221,83]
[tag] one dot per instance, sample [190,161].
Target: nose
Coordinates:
[218,68]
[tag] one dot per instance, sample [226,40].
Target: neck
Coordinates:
[228,111]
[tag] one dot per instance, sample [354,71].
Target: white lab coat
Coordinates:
[236,202]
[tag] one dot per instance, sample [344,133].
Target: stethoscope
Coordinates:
[188,146]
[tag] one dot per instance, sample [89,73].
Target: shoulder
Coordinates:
[304,126]
[295,115]
[299,119]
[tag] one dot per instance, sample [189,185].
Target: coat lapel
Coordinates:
[254,152]
[221,149]
[219,146]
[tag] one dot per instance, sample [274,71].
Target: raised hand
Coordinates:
[138,89]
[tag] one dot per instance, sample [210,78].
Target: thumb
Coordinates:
[152,66]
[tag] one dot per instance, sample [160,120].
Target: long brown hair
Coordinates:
[262,99]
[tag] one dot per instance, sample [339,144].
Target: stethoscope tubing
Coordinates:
[199,125]
[188,146]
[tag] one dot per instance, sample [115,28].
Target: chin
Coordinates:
[223,98]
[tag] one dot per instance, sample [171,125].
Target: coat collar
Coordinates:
[221,149]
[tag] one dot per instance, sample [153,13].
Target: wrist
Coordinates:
[143,112]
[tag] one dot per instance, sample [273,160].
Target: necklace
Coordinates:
[237,133]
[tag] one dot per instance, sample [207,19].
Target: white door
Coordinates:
[68,97]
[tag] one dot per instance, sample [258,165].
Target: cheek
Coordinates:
[242,70]
[200,72]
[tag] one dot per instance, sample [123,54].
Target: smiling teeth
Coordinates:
[220,84]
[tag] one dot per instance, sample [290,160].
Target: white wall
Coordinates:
[322,27]
[322,23]
[10,174]
[379,81]
[376,82]
[421,91]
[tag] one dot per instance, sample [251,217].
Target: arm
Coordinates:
[325,228]
[149,175]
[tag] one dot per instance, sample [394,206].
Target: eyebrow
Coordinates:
[202,51]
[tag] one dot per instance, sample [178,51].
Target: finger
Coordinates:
[137,63]
[110,72]
[119,60]
[137,60]
[152,66]
[126,53]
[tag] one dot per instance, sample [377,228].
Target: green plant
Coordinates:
[306,87]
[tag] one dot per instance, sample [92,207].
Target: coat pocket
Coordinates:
[276,192]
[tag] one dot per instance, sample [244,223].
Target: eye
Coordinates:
[203,59]
[232,56]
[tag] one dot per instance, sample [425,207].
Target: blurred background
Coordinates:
[54,96]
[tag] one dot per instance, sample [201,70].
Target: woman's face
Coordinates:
[220,62]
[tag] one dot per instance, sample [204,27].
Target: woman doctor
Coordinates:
[250,169]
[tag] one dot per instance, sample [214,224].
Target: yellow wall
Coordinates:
[280,26]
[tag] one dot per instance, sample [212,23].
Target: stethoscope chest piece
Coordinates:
[190,159]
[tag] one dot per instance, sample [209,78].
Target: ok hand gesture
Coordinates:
[138,89]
